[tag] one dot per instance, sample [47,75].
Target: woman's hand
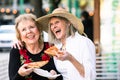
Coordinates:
[53,72]
[63,55]
[17,44]
[24,71]
[67,56]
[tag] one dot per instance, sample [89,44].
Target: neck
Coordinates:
[35,48]
[63,41]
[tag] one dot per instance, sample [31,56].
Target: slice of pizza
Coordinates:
[51,51]
[37,64]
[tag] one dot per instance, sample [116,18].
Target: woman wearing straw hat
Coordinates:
[65,32]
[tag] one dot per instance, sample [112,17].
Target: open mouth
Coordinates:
[58,31]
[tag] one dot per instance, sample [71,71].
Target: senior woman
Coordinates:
[66,32]
[30,34]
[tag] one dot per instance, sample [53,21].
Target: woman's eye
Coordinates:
[50,25]
[56,22]
[32,26]
[23,29]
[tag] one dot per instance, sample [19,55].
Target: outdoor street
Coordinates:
[4,58]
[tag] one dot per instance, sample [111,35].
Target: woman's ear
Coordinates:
[68,24]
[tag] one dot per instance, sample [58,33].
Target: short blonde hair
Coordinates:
[30,17]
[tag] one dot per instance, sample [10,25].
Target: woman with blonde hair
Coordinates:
[30,33]
[66,32]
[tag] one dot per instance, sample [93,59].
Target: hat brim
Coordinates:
[44,20]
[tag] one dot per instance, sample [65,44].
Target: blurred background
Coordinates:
[101,22]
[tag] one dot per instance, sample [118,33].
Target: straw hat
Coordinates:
[44,20]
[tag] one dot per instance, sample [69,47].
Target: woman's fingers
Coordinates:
[17,44]
[64,55]
[23,70]
[53,72]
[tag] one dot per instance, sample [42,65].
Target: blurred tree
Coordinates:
[54,4]
[38,11]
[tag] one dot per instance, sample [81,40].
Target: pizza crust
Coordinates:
[37,64]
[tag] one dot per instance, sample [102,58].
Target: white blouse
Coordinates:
[83,50]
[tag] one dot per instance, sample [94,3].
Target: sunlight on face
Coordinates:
[28,31]
[58,27]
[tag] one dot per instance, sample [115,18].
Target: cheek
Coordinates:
[38,32]
[22,36]
[64,29]
[51,29]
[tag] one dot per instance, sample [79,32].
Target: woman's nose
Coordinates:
[28,30]
[55,25]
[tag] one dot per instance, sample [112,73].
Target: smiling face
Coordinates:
[58,27]
[28,31]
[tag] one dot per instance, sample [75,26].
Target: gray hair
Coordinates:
[69,32]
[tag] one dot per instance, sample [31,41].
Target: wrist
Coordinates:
[20,73]
[70,58]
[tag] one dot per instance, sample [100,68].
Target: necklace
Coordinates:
[63,47]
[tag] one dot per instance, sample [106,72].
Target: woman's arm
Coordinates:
[16,71]
[77,65]
[68,56]
[14,64]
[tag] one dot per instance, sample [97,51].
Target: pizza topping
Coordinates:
[53,51]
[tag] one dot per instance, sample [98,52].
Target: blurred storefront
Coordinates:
[106,21]
[106,17]
[9,9]
[106,34]
[110,26]
[110,39]
[106,27]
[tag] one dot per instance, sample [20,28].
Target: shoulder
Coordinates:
[14,52]
[84,40]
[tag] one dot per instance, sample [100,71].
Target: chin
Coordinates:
[58,37]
